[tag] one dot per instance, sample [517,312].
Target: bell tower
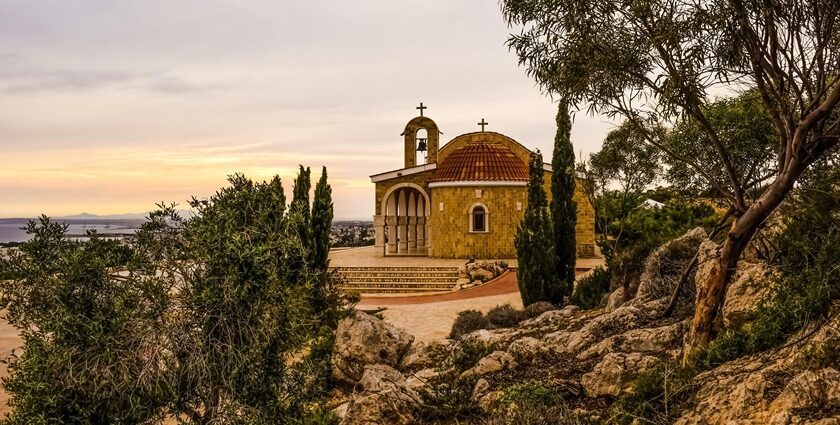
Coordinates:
[413,143]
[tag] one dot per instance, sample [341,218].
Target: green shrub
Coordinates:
[447,397]
[590,290]
[658,394]
[533,403]
[505,316]
[538,308]
[468,321]
[822,355]
[192,318]
[467,354]
[530,392]
[644,229]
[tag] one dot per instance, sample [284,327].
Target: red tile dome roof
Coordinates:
[481,161]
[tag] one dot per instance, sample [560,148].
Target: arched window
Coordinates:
[478,219]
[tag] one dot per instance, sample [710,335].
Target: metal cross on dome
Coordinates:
[483,124]
[421,108]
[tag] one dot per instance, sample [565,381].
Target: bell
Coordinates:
[421,145]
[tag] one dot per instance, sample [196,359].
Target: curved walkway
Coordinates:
[504,284]
[430,317]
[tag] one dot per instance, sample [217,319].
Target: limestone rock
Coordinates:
[664,266]
[385,397]
[550,319]
[651,341]
[600,327]
[463,281]
[419,355]
[810,389]
[707,253]
[489,401]
[482,275]
[482,387]
[613,373]
[526,348]
[422,378]
[736,392]
[496,337]
[748,287]
[341,411]
[362,340]
[493,362]
[615,300]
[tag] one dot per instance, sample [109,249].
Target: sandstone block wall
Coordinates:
[451,236]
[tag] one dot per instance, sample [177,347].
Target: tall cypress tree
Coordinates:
[322,216]
[534,243]
[563,206]
[300,205]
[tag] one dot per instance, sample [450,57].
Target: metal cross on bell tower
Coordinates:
[421,108]
[483,124]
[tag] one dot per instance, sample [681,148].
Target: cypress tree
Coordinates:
[534,243]
[322,216]
[277,212]
[300,205]
[563,206]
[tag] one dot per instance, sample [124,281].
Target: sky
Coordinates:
[110,107]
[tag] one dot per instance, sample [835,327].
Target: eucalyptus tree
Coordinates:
[747,133]
[627,164]
[655,62]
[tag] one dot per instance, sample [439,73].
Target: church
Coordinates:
[462,200]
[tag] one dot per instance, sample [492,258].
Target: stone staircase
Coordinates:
[395,280]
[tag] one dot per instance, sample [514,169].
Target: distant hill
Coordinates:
[129,216]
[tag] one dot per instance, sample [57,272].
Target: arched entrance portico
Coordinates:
[402,227]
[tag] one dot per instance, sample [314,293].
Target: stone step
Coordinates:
[400,279]
[401,274]
[367,289]
[397,285]
[398,269]
[398,291]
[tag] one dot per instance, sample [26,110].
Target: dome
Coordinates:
[481,161]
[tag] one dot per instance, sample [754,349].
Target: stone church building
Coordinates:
[463,200]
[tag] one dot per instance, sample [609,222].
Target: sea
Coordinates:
[11,229]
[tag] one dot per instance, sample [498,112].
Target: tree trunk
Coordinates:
[711,293]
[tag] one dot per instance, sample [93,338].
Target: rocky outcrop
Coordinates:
[421,355]
[493,362]
[614,372]
[384,397]
[588,358]
[363,340]
[596,329]
[654,341]
[615,300]
[808,390]
[477,273]
[771,388]
[663,268]
[748,288]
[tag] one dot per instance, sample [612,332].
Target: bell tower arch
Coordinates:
[412,143]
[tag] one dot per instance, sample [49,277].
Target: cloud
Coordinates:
[19,78]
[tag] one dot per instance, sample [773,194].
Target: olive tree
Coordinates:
[656,62]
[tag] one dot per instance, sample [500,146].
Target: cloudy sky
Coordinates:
[112,106]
